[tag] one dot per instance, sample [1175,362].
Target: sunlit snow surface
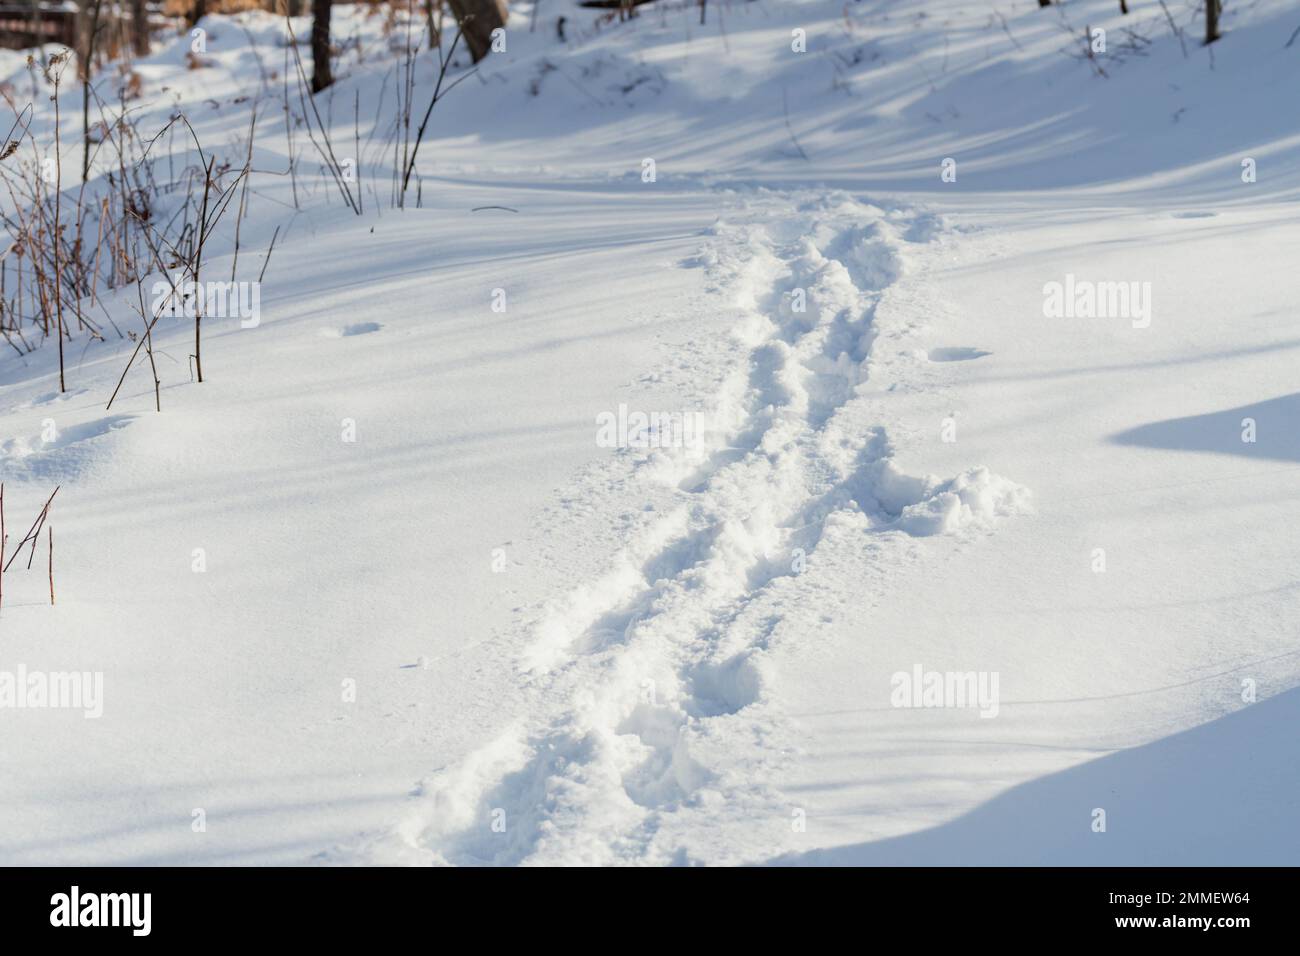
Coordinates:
[476,634]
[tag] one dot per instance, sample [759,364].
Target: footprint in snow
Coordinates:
[347,331]
[955,354]
[61,455]
[49,398]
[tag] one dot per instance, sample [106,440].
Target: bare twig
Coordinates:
[785,107]
[1174,27]
[33,531]
[267,260]
[444,63]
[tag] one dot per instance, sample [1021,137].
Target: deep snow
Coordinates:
[569,653]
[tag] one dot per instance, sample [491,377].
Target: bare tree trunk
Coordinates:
[477,19]
[36,25]
[198,11]
[1211,21]
[139,28]
[432,16]
[320,45]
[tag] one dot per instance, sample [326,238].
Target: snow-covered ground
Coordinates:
[441,620]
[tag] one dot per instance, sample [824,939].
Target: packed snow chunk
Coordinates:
[895,490]
[973,498]
[925,505]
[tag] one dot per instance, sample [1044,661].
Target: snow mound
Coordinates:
[926,506]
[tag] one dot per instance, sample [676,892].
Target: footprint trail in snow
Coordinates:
[652,720]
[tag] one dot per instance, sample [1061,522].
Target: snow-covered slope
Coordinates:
[479,634]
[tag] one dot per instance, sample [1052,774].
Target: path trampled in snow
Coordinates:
[640,674]
[662,655]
